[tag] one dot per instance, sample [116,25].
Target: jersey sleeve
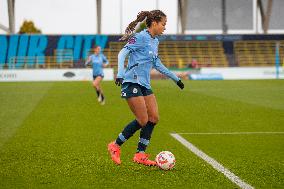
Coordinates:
[88,60]
[165,71]
[135,42]
[105,60]
[121,59]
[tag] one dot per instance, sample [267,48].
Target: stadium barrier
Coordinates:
[236,73]
[239,73]
[227,73]
[52,75]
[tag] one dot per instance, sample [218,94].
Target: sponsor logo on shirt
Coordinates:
[132,40]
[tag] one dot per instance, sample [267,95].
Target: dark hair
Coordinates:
[154,15]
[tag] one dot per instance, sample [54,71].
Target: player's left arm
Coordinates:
[158,65]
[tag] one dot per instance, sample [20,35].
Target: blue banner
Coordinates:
[37,48]
[17,46]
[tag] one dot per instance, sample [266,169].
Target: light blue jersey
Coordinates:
[142,49]
[97,62]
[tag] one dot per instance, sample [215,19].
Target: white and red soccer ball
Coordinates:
[166,160]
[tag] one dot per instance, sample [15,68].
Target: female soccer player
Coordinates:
[98,61]
[142,49]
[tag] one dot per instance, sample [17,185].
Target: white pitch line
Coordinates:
[216,165]
[233,133]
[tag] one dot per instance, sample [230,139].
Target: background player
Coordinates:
[98,61]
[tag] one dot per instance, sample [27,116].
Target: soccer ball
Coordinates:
[165,160]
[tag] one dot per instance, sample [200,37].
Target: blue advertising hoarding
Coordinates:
[12,46]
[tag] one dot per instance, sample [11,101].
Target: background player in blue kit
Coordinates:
[98,61]
[142,52]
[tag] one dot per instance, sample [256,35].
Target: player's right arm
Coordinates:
[121,59]
[135,42]
[88,60]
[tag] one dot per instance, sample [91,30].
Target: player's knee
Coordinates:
[142,121]
[96,86]
[154,119]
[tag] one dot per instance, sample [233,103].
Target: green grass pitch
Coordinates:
[54,135]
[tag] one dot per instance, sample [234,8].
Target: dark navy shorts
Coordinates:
[129,90]
[95,76]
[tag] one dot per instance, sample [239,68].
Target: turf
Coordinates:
[54,135]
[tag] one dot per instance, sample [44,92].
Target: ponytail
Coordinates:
[154,15]
[130,28]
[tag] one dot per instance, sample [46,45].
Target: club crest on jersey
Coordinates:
[135,90]
[132,40]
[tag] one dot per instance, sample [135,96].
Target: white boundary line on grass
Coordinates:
[216,165]
[232,133]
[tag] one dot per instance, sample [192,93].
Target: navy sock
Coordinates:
[127,132]
[145,136]
[98,92]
